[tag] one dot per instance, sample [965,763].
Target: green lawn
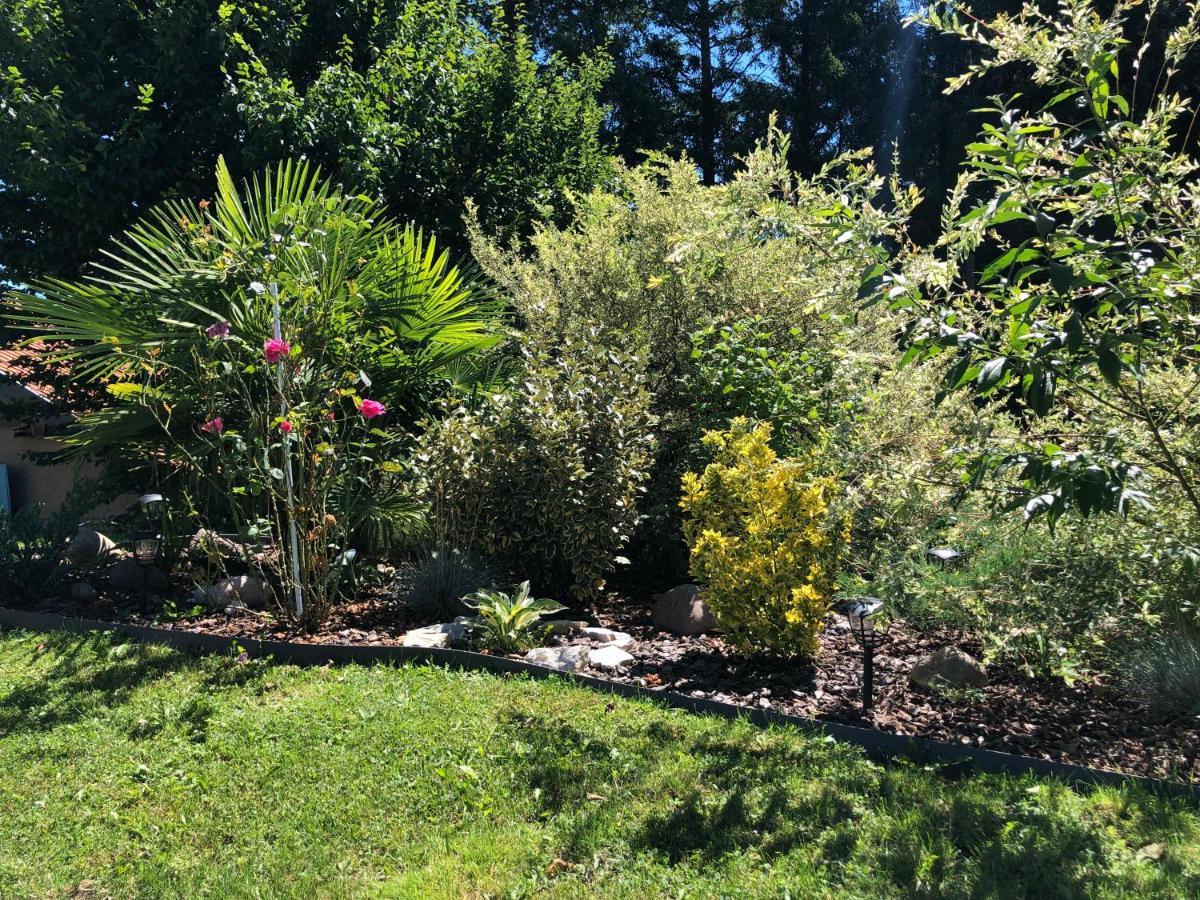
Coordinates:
[137,771]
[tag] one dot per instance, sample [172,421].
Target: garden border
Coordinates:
[957,759]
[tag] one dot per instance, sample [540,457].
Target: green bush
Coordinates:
[545,476]
[741,296]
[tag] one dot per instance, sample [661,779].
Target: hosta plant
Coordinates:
[509,623]
[266,353]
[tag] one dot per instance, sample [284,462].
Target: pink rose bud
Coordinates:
[285,426]
[371,408]
[274,350]
[217,330]
[215,425]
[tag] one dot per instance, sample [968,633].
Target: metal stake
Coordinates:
[293,536]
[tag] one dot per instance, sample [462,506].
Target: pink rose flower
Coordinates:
[215,425]
[217,330]
[285,426]
[275,349]
[371,408]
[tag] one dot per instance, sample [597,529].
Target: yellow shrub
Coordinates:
[765,541]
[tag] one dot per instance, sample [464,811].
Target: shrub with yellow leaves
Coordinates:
[766,541]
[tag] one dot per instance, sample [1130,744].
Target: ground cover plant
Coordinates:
[132,770]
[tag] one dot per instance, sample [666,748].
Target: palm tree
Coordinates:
[173,320]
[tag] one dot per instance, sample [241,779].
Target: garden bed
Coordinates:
[1085,724]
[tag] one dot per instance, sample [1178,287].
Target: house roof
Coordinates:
[16,364]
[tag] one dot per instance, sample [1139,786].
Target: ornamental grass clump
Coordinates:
[766,540]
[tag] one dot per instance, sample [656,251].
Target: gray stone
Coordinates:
[246,589]
[610,656]
[949,667]
[208,547]
[436,635]
[682,611]
[126,575]
[83,592]
[89,546]
[607,636]
[561,659]
[565,626]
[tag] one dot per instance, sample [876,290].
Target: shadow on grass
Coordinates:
[93,672]
[714,797]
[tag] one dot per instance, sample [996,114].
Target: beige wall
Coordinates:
[31,483]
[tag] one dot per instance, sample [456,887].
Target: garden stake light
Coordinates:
[859,613]
[944,557]
[146,542]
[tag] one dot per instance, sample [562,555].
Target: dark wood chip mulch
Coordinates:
[1091,723]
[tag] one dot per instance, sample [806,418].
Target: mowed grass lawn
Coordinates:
[137,771]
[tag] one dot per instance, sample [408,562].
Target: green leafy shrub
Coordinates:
[766,542]
[1064,280]
[765,267]
[259,429]
[509,623]
[547,473]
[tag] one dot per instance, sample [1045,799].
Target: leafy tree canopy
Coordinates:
[107,107]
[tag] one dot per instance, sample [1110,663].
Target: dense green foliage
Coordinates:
[547,474]
[134,771]
[108,107]
[235,337]
[1066,280]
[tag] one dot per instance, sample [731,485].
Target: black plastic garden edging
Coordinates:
[877,744]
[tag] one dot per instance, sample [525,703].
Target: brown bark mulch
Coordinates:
[1090,723]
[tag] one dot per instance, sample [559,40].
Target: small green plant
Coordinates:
[1165,674]
[442,578]
[509,623]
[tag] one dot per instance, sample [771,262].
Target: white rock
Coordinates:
[610,656]
[561,659]
[436,635]
[607,636]
[422,637]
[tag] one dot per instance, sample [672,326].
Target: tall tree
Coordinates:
[108,106]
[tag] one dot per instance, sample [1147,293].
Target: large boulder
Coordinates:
[561,659]
[89,546]
[949,667]
[126,575]
[682,611]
